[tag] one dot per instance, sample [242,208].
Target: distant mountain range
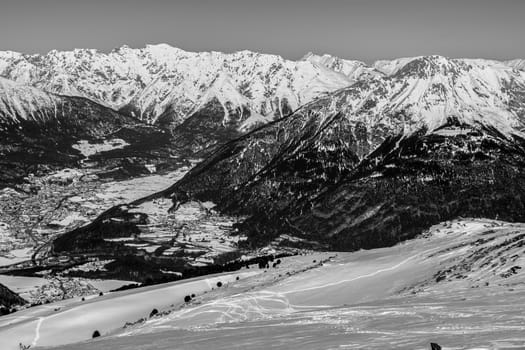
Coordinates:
[251,88]
[158,79]
[199,99]
[160,83]
[330,150]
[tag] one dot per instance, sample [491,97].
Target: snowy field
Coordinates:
[133,189]
[460,284]
[15,256]
[22,285]
[75,320]
[88,149]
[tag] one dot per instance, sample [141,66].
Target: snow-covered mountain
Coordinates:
[253,88]
[426,128]
[146,82]
[427,92]
[23,107]
[351,68]
[20,103]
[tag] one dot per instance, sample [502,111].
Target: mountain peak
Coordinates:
[351,68]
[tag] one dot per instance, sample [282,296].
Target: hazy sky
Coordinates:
[358,29]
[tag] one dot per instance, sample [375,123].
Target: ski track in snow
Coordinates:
[377,272]
[37,331]
[351,279]
[229,308]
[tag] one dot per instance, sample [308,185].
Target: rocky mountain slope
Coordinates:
[8,299]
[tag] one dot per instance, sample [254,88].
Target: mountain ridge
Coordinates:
[147,82]
[151,79]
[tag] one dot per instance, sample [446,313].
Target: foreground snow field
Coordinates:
[75,320]
[460,284]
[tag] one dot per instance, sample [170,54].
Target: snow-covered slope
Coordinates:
[427,92]
[517,63]
[460,284]
[21,102]
[147,81]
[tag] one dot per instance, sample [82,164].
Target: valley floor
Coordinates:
[65,200]
[460,284]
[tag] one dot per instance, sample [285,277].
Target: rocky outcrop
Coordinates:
[8,299]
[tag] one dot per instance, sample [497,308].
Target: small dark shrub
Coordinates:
[153,313]
[193,295]
[100,294]
[96,334]
[219,284]
[237,278]
[187,299]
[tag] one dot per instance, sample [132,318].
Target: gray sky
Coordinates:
[358,29]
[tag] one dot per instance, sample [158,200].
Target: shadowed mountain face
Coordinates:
[406,185]
[8,299]
[41,131]
[411,183]
[205,129]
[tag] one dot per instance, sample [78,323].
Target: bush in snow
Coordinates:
[96,334]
